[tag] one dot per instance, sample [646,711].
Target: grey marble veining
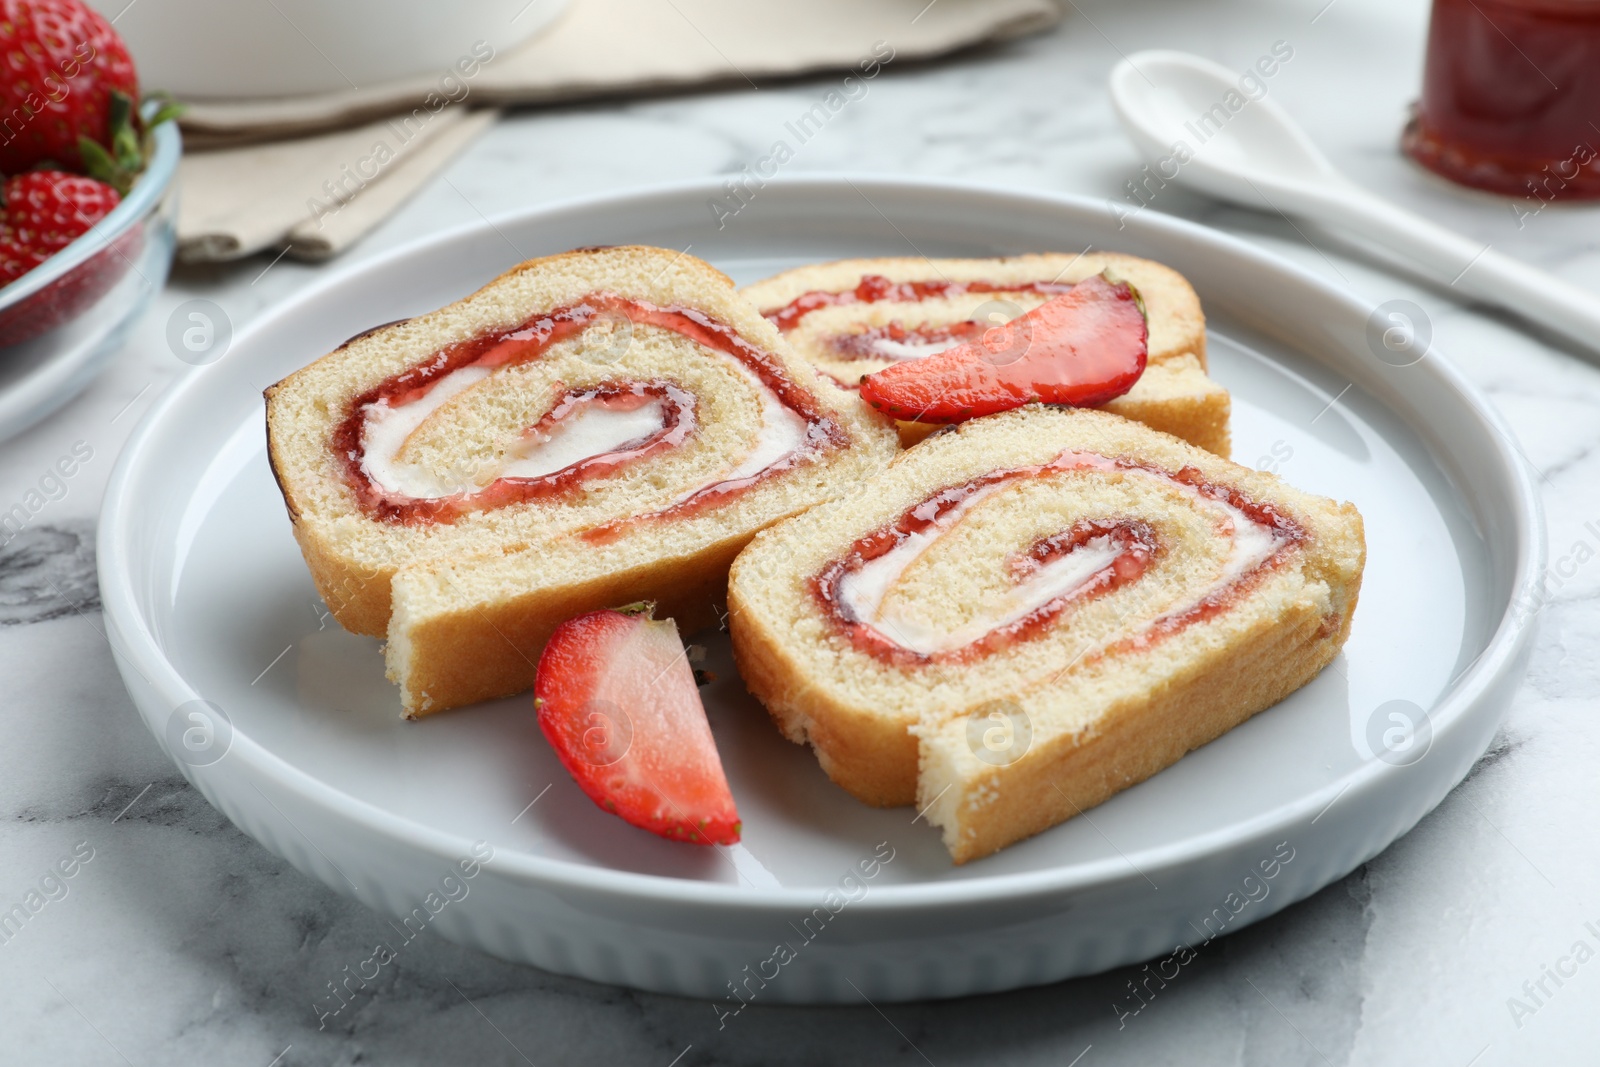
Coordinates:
[47,572]
[178,940]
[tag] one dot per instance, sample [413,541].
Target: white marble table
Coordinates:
[180,940]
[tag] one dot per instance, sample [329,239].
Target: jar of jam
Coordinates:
[1511,97]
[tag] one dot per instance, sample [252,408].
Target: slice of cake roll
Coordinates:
[590,429]
[857,316]
[1031,611]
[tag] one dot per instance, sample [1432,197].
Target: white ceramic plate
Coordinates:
[207,600]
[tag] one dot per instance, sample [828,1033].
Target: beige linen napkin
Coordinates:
[314,174]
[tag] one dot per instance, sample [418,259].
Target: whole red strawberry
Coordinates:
[64,67]
[44,211]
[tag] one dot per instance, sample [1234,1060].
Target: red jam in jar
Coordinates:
[1511,97]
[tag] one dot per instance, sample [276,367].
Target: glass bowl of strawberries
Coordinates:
[87,205]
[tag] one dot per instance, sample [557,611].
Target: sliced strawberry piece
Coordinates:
[1084,347]
[616,698]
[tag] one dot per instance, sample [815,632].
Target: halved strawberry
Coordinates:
[616,698]
[1084,347]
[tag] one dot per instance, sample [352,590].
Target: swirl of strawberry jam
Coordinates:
[1090,559]
[874,288]
[632,420]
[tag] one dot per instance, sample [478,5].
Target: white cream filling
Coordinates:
[902,351]
[1253,543]
[593,430]
[783,431]
[384,431]
[862,592]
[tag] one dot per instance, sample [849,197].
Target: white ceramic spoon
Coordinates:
[1260,158]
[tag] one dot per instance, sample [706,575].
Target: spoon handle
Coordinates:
[1474,269]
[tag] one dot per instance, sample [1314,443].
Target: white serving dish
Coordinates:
[207,599]
[248,49]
